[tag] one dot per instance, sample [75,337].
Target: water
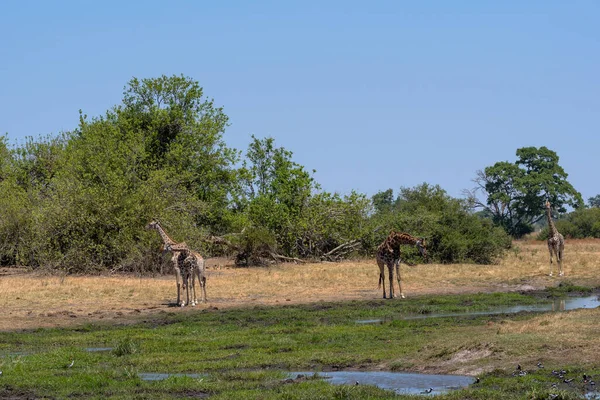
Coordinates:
[572,303]
[157,376]
[96,349]
[399,382]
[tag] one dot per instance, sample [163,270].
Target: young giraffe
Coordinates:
[193,266]
[556,242]
[179,252]
[388,253]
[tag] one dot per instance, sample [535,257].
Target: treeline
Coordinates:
[79,201]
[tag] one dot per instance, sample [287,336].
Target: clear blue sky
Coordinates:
[371,94]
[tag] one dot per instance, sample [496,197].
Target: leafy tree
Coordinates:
[516,192]
[383,201]
[594,201]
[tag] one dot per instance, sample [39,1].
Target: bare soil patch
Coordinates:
[31,300]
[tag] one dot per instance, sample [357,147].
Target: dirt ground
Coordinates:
[30,300]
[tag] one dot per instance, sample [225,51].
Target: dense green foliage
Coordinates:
[516,192]
[452,233]
[581,223]
[79,201]
[245,353]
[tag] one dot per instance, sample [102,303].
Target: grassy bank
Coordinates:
[244,352]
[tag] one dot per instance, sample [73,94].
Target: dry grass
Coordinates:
[31,300]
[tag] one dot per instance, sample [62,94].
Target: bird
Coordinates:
[70,365]
[428,390]
[477,380]
[539,365]
[518,367]
[356,383]
[568,380]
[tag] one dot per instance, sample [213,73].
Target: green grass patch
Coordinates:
[244,353]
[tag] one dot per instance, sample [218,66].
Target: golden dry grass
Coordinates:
[31,300]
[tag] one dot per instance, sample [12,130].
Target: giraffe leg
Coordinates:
[391,272]
[179,281]
[559,256]
[201,279]
[398,278]
[550,250]
[381,274]
[193,285]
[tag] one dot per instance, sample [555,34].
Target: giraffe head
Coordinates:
[154,224]
[420,243]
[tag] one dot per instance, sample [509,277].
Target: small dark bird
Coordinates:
[539,365]
[356,383]
[554,372]
[429,390]
[585,378]
[562,371]
[477,380]
[568,380]
[518,367]
[554,386]
[592,383]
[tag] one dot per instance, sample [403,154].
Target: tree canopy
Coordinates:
[78,201]
[515,193]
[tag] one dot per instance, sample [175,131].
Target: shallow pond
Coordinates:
[96,349]
[157,376]
[572,303]
[399,382]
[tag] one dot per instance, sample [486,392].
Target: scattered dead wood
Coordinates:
[284,258]
[342,250]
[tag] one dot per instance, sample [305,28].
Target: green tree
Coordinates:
[383,201]
[516,192]
[594,201]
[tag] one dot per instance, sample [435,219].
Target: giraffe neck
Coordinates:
[395,239]
[551,227]
[163,235]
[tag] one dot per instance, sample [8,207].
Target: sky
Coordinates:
[371,94]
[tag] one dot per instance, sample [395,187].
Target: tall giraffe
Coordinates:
[388,253]
[179,253]
[556,242]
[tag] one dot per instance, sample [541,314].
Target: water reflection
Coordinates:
[96,349]
[568,304]
[399,382]
[157,376]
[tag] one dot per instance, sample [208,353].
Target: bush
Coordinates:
[451,232]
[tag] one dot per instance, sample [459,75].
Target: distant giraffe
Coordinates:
[556,242]
[180,252]
[388,253]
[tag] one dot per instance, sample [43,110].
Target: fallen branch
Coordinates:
[284,258]
[341,250]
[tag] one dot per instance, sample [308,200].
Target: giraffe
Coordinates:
[388,253]
[193,266]
[556,242]
[179,252]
